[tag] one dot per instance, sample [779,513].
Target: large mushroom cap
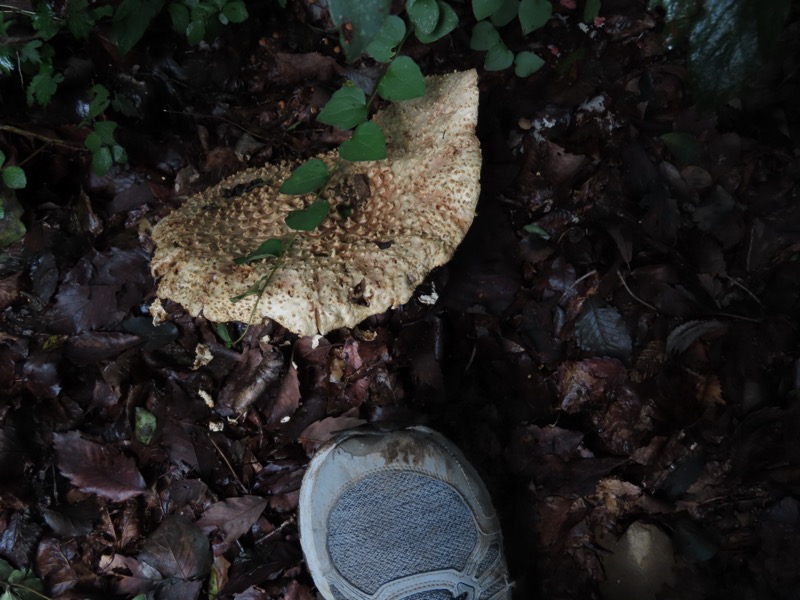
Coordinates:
[407,215]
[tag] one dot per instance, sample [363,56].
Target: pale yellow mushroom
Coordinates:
[409,219]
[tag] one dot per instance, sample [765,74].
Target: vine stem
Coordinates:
[385,66]
[264,284]
[40,137]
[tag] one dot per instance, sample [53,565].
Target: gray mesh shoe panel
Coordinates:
[407,521]
[433,595]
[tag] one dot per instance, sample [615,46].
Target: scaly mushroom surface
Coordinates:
[407,215]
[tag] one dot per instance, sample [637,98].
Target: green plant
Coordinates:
[493,14]
[11,226]
[202,19]
[726,40]
[19,584]
[13,176]
[30,53]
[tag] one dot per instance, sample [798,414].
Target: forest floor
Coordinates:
[615,344]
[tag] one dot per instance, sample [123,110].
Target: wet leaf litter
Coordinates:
[614,346]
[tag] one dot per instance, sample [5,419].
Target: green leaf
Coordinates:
[346,108]
[44,21]
[79,20]
[383,45]
[12,229]
[728,44]
[308,177]
[272,247]
[145,424]
[358,22]
[195,32]
[131,20]
[424,14]
[448,19]
[43,85]
[527,63]
[222,331]
[685,148]
[308,219]
[367,143]
[99,103]
[14,178]
[506,13]
[533,14]
[102,161]
[93,142]
[118,154]
[30,52]
[5,567]
[235,12]
[105,131]
[591,10]
[498,57]
[484,36]
[2,158]
[7,64]
[403,80]
[536,230]
[485,8]
[180,17]
[26,585]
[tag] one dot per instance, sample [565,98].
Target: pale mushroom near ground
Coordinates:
[405,216]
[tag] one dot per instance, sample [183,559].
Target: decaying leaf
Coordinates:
[601,330]
[96,468]
[233,516]
[178,549]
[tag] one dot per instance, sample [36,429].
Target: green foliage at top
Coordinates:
[81,19]
[389,37]
[494,14]
[402,81]
[202,19]
[32,55]
[727,41]
[358,23]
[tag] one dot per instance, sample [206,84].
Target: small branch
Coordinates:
[634,296]
[42,138]
[575,284]
[224,458]
[746,291]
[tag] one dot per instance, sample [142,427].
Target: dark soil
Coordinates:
[615,342]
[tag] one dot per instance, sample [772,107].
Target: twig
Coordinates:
[40,137]
[575,284]
[227,462]
[634,296]
[747,291]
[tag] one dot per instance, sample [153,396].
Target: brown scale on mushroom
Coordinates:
[391,223]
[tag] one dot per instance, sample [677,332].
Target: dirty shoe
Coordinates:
[399,515]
